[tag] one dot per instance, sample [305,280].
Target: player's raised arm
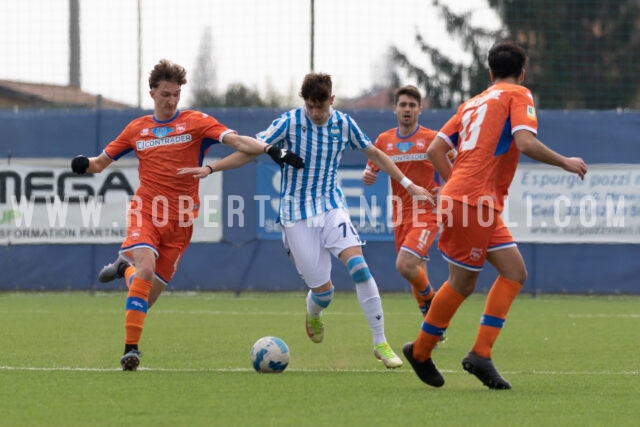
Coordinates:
[529,145]
[232,161]
[83,164]
[383,161]
[250,145]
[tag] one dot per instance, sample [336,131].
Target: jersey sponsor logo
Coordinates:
[409,157]
[144,132]
[531,112]
[420,144]
[390,146]
[181,127]
[159,142]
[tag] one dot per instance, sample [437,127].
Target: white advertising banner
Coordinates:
[42,201]
[548,205]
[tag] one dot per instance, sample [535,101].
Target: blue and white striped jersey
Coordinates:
[314,189]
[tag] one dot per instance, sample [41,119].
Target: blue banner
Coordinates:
[368,204]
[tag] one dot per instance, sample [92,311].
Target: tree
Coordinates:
[239,95]
[449,81]
[583,54]
[203,82]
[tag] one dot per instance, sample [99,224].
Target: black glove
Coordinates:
[282,156]
[80,164]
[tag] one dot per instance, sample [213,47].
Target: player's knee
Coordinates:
[145,272]
[358,269]
[521,276]
[517,275]
[405,268]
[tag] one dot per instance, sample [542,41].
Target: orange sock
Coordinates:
[499,300]
[129,274]
[444,305]
[422,290]
[136,310]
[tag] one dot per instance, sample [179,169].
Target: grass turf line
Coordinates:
[572,360]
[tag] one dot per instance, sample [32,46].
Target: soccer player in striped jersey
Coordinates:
[160,218]
[315,222]
[489,131]
[415,227]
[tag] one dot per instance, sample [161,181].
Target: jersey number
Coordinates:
[471,121]
[344,227]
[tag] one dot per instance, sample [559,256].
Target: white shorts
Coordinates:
[311,242]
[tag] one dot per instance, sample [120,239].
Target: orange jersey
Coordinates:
[409,153]
[482,132]
[162,147]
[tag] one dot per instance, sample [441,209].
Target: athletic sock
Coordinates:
[421,288]
[136,310]
[129,274]
[502,294]
[368,297]
[316,302]
[444,305]
[371,306]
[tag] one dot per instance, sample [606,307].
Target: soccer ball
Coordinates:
[269,355]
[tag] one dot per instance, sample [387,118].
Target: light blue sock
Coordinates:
[316,302]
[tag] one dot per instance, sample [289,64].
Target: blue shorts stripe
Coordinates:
[495,322]
[432,330]
[137,304]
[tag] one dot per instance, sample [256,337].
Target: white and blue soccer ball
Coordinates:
[270,355]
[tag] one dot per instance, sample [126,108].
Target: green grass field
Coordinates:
[572,361]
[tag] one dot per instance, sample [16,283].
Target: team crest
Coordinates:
[404,146]
[334,132]
[161,132]
[475,254]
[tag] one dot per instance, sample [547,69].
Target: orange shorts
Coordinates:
[416,240]
[168,239]
[466,237]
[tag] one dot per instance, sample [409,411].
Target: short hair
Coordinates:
[316,87]
[166,70]
[409,90]
[507,59]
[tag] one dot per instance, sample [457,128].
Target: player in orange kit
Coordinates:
[160,218]
[415,225]
[489,132]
